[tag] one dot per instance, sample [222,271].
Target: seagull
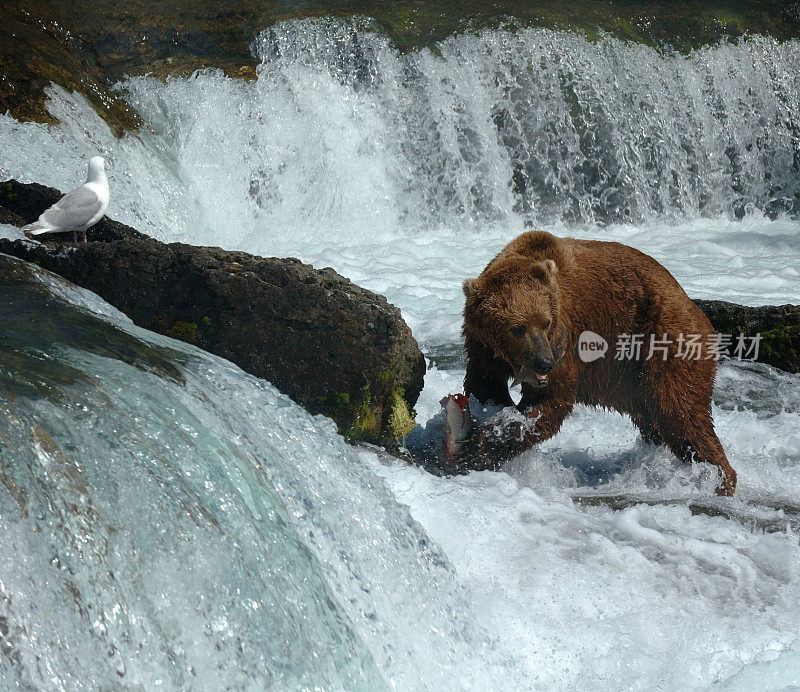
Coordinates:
[79,209]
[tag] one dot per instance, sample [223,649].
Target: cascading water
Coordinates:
[597,561]
[169,520]
[535,126]
[552,127]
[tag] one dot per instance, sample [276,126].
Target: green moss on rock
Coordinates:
[781,346]
[176,329]
[401,419]
[366,425]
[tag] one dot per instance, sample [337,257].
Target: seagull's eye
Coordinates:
[518,332]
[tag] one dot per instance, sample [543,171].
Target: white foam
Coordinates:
[647,597]
[11,232]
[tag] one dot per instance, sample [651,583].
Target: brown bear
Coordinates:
[524,317]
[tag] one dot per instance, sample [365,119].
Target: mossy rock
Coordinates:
[401,419]
[366,425]
[781,347]
[778,327]
[175,329]
[335,348]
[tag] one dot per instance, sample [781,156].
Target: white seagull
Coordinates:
[79,209]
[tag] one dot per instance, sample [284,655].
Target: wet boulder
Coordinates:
[334,347]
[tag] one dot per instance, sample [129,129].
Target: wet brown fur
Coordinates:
[560,287]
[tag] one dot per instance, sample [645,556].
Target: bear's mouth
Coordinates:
[531,377]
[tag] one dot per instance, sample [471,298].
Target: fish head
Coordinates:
[458,421]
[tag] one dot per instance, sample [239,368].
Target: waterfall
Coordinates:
[170,520]
[548,125]
[342,134]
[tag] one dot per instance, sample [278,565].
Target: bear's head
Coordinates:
[513,308]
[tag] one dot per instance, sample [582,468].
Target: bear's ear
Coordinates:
[544,270]
[469,287]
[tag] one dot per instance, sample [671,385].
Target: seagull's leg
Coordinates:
[75,236]
[84,235]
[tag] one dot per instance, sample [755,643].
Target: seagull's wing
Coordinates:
[73,211]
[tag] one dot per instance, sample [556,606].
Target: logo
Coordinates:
[591,346]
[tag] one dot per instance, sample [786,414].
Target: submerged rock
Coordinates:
[331,345]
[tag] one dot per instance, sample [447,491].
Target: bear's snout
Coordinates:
[542,365]
[537,362]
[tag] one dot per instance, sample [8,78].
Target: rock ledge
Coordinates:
[334,347]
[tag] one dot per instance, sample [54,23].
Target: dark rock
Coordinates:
[332,346]
[38,49]
[9,217]
[777,325]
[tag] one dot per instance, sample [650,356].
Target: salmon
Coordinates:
[458,425]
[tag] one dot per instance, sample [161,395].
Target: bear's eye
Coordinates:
[546,325]
[518,332]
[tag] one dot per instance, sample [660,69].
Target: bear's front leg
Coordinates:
[487,375]
[510,434]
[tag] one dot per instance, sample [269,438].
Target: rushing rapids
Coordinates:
[169,520]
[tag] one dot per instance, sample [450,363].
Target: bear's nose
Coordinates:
[542,366]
